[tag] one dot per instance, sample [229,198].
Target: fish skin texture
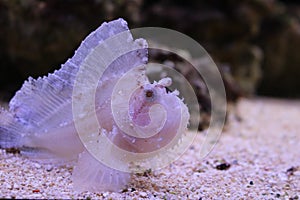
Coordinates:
[40,121]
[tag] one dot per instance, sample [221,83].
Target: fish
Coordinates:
[51,118]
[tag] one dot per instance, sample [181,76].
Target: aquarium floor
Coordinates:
[257,157]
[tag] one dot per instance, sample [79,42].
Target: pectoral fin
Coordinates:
[91,175]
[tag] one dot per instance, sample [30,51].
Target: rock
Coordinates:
[255,42]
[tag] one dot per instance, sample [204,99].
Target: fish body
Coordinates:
[40,119]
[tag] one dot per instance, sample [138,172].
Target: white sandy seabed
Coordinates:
[255,158]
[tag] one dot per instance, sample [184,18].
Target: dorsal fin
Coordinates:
[39,99]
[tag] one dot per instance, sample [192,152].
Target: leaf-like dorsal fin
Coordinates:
[43,98]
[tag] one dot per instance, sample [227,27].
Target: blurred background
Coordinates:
[255,43]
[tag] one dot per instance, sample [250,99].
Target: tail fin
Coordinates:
[9,130]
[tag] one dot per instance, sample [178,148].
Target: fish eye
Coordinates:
[149,93]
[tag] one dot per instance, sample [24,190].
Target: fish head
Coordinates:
[159,115]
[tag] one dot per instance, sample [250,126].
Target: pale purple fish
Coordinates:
[40,122]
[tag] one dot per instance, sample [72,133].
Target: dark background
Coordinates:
[258,40]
